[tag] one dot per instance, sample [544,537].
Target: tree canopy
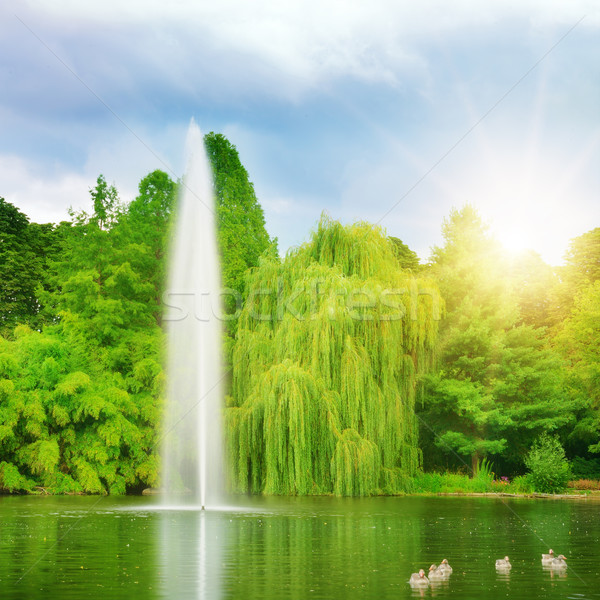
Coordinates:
[353,365]
[498,384]
[81,360]
[328,351]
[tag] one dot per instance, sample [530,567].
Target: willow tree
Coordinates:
[328,349]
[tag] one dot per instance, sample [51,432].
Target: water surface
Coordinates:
[90,547]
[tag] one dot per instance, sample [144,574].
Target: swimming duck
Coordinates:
[436,574]
[445,568]
[418,578]
[560,562]
[503,563]
[548,558]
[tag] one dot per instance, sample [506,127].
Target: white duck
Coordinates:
[503,563]
[560,562]
[418,578]
[436,574]
[548,558]
[445,568]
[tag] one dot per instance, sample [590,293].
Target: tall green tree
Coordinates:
[497,385]
[242,235]
[581,269]
[327,353]
[81,411]
[579,341]
[25,251]
[533,282]
[143,235]
[407,258]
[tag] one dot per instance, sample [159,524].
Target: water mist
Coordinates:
[192,453]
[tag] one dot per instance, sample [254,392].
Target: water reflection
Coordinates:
[329,548]
[190,554]
[555,573]
[293,548]
[439,587]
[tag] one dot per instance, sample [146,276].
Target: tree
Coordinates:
[579,341]
[106,204]
[241,235]
[143,235]
[84,405]
[533,282]
[407,258]
[497,385]
[328,349]
[583,259]
[25,250]
[582,269]
[548,466]
[80,399]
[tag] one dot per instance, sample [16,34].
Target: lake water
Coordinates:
[90,547]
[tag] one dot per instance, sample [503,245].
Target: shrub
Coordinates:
[549,469]
[585,484]
[521,485]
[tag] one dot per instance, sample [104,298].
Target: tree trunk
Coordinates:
[475,463]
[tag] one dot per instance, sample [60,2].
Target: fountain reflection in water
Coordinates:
[191,554]
[192,463]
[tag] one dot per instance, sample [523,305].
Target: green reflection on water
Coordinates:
[294,548]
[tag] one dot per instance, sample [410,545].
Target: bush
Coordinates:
[521,485]
[585,484]
[549,469]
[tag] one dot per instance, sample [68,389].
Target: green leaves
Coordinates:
[326,363]
[498,384]
[549,469]
[25,249]
[242,236]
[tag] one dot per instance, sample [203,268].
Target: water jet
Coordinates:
[192,449]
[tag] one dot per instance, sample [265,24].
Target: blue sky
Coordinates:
[390,112]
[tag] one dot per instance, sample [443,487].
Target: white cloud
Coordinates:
[287,47]
[45,192]
[43,199]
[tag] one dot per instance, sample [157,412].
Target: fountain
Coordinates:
[192,460]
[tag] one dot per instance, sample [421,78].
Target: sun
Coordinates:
[529,199]
[514,239]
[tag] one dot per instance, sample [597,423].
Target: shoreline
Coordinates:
[577,496]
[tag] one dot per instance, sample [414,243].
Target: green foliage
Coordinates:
[582,468]
[580,271]
[453,483]
[579,341]
[11,480]
[407,258]
[549,469]
[533,283]
[522,485]
[81,378]
[241,235]
[80,401]
[484,469]
[25,250]
[498,385]
[143,236]
[328,349]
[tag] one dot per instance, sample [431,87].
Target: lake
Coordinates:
[121,547]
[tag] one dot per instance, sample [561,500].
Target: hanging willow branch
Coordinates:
[328,350]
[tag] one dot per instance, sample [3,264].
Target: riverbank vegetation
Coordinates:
[355,368]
